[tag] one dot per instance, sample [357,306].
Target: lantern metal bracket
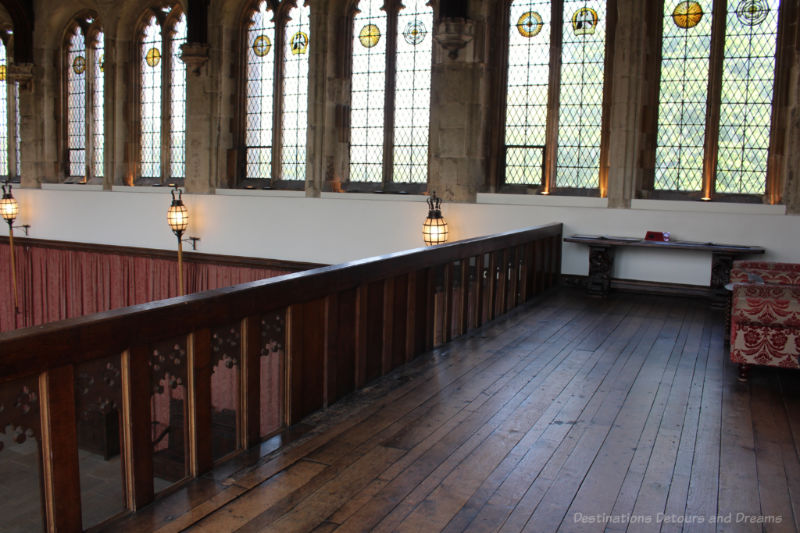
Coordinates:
[192,240]
[23,227]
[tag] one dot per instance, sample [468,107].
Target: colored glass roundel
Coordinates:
[415,32]
[102,62]
[584,21]
[752,12]
[299,43]
[369,35]
[530,24]
[79,65]
[153,57]
[2,73]
[262,45]
[687,15]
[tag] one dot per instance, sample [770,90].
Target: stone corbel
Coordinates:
[22,73]
[453,34]
[195,55]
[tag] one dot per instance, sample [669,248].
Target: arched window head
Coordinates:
[84,99]
[162,98]
[392,46]
[276,46]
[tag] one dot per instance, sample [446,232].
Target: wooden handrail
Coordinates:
[30,351]
[326,331]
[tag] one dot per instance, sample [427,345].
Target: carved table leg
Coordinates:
[601,259]
[721,264]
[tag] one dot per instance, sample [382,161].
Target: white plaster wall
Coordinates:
[343,227]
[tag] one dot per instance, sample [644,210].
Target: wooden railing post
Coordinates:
[199,404]
[251,379]
[388,326]
[137,441]
[62,490]
[447,311]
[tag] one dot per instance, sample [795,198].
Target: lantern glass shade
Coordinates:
[9,208]
[434,230]
[178,217]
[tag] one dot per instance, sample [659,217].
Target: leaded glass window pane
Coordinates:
[4,168]
[412,92]
[76,103]
[294,119]
[260,87]
[98,124]
[527,90]
[685,55]
[177,136]
[747,91]
[151,100]
[17,129]
[368,87]
[581,94]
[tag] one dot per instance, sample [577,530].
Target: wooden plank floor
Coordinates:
[572,414]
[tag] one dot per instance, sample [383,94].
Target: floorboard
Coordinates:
[572,414]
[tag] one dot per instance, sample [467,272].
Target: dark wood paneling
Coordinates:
[305,331]
[399,321]
[374,322]
[340,345]
[362,317]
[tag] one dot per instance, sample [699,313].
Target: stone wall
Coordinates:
[464,116]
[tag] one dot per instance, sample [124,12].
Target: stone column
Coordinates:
[459,89]
[791,166]
[321,148]
[27,77]
[200,145]
[628,98]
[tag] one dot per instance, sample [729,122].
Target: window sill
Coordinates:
[708,207]
[287,193]
[72,187]
[549,200]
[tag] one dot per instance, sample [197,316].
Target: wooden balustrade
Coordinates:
[290,345]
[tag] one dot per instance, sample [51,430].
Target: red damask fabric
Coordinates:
[765,317]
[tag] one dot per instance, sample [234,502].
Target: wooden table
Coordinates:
[601,259]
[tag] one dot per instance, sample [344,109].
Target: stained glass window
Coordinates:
[84,99]
[745,96]
[527,91]
[368,86]
[151,101]
[260,91]
[177,136]
[747,93]
[294,118]
[76,103]
[580,114]
[686,48]
[98,102]
[163,97]
[412,92]
[4,163]
[578,89]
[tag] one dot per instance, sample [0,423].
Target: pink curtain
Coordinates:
[54,283]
